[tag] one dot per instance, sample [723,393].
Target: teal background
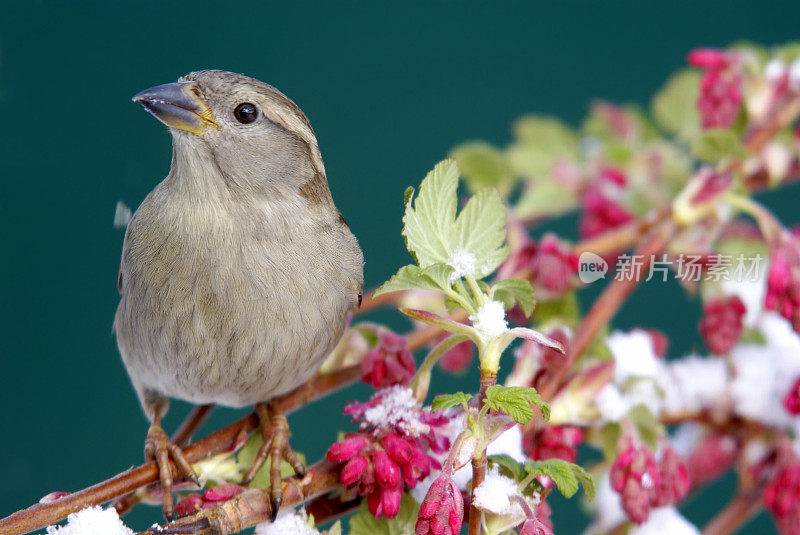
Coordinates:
[388,90]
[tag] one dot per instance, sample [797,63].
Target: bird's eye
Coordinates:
[245,112]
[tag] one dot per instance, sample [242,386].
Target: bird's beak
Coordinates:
[177,105]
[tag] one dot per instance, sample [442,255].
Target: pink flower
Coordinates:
[783,280]
[791,401]
[222,493]
[674,478]
[721,324]
[710,185]
[601,214]
[635,476]
[442,510]
[554,443]
[782,498]
[720,87]
[553,264]
[389,363]
[550,262]
[380,460]
[712,457]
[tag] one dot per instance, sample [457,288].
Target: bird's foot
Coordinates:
[159,448]
[275,434]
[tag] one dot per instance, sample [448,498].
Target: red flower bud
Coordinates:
[389,363]
[442,510]
[189,505]
[708,58]
[387,471]
[353,470]
[397,448]
[346,449]
[674,479]
[222,493]
[390,501]
[636,478]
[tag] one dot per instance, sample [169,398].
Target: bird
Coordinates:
[238,273]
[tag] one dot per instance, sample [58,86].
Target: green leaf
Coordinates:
[718,143]
[541,141]
[511,291]
[609,437]
[445,401]
[516,401]
[443,323]
[508,465]
[483,165]
[433,233]
[648,425]
[365,523]
[565,310]
[674,107]
[407,278]
[545,198]
[566,476]
[336,529]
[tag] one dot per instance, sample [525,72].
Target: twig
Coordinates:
[479,460]
[252,507]
[738,511]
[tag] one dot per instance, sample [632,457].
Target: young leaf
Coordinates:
[437,321]
[566,476]
[509,465]
[483,165]
[674,107]
[648,425]
[511,291]
[516,401]
[445,401]
[434,277]
[407,278]
[718,143]
[434,234]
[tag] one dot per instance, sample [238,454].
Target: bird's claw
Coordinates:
[275,434]
[159,448]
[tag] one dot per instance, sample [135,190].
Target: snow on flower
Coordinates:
[91,521]
[693,383]
[463,264]
[490,319]
[764,374]
[774,70]
[287,523]
[794,75]
[634,354]
[494,494]
[397,408]
[665,520]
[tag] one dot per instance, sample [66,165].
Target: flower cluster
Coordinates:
[721,324]
[388,363]
[390,451]
[783,281]
[782,498]
[551,263]
[720,86]
[644,483]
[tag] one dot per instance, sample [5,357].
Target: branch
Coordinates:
[738,511]
[252,507]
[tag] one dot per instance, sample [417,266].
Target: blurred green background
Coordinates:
[389,91]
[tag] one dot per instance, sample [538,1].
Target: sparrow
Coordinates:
[237,272]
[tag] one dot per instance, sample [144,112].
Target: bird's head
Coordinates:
[256,136]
